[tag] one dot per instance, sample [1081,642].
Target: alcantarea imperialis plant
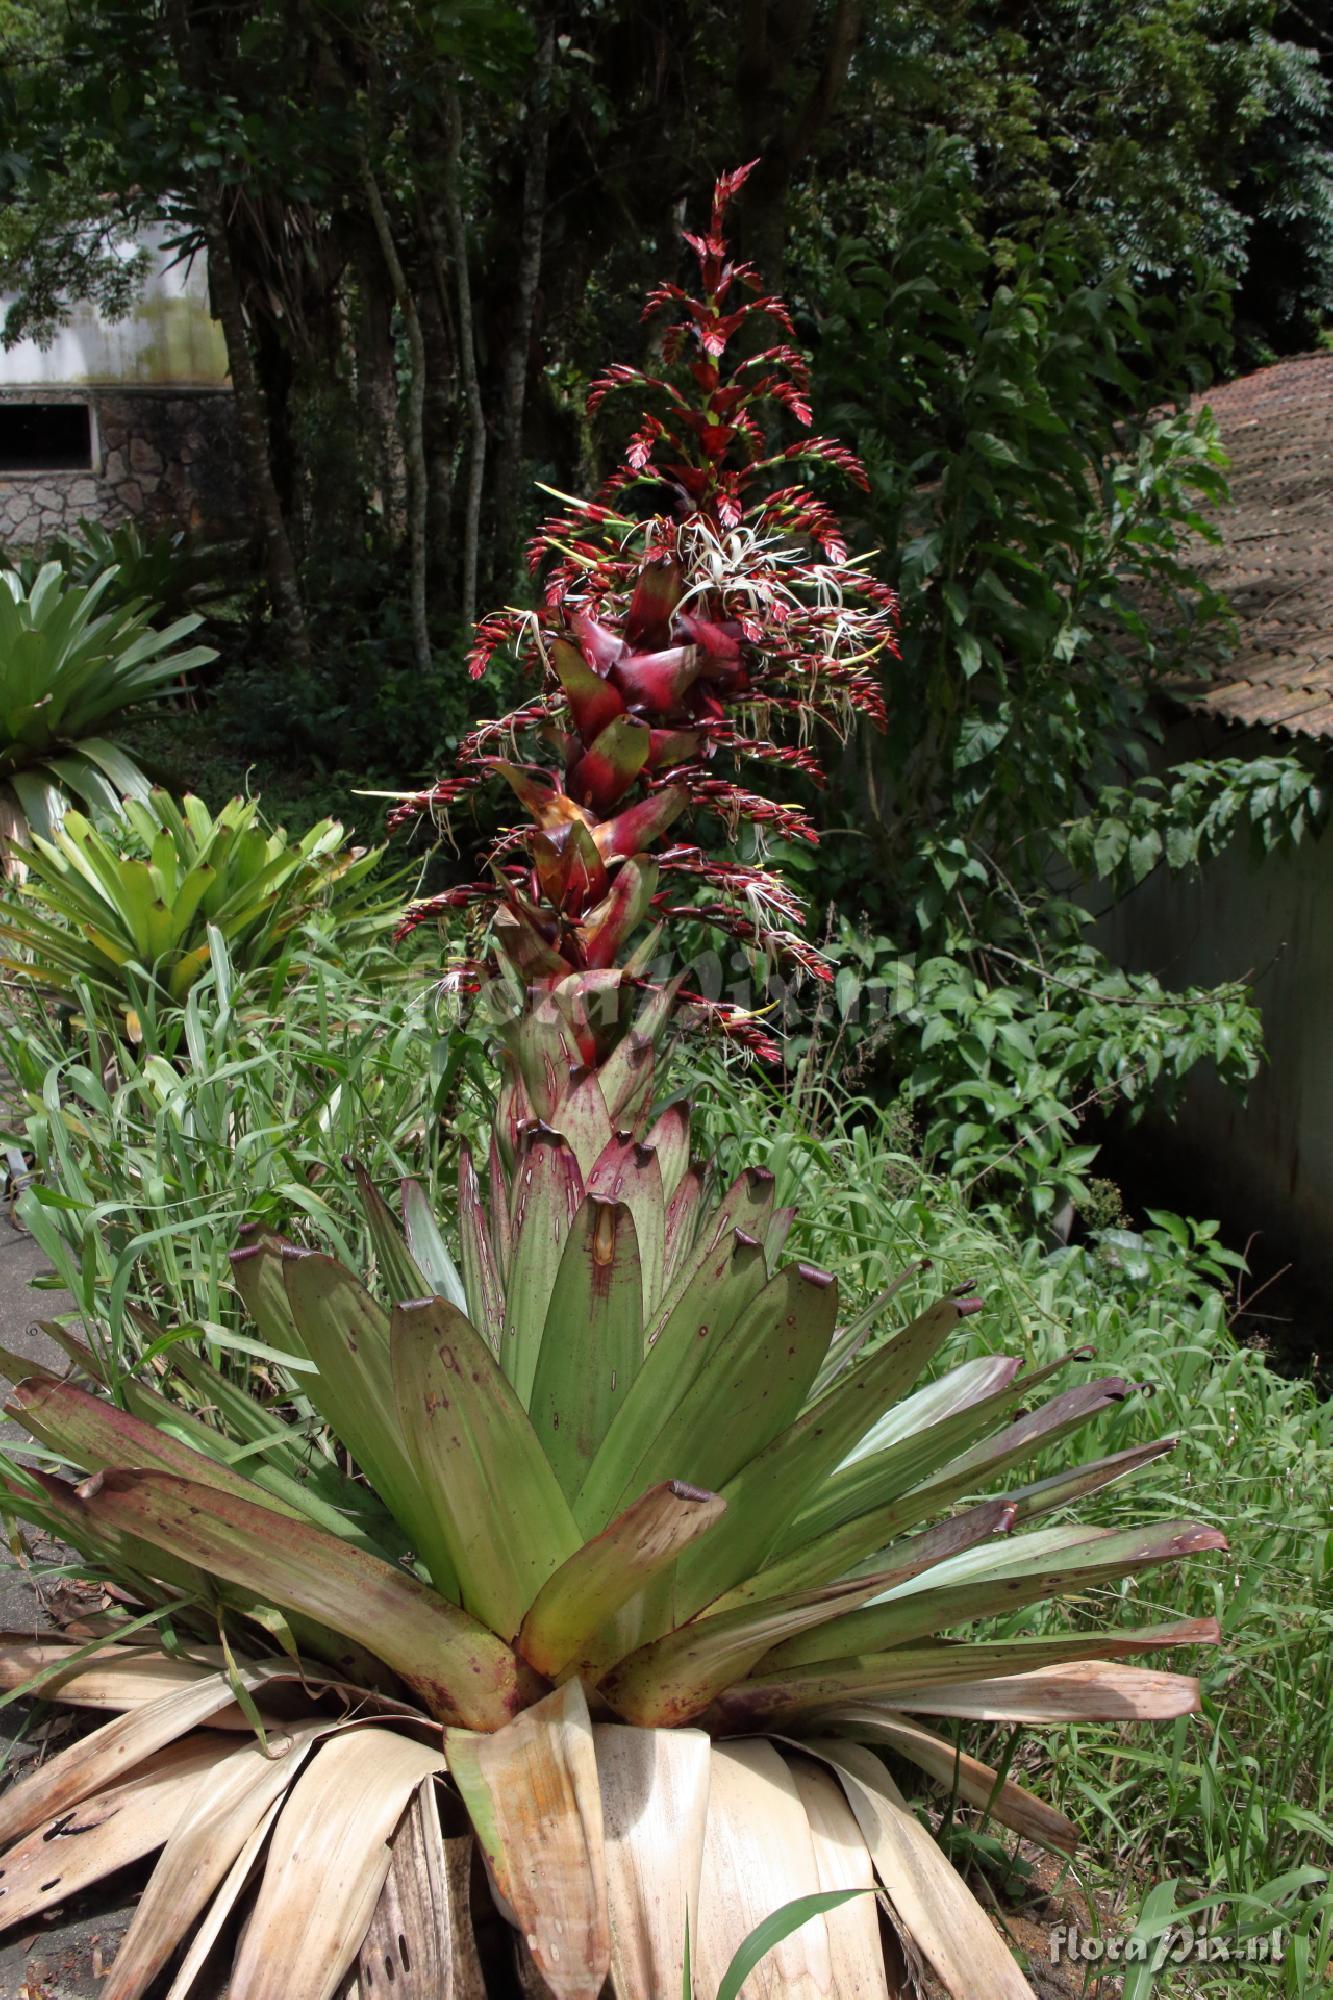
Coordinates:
[611,1528]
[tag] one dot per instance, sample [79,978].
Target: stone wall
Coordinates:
[164,457]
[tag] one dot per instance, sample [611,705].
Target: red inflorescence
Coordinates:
[668,643]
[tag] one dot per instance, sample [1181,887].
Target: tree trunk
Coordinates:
[773,36]
[377,391]
[467,356]
[252,423]
[416,405]
[441,419]
[251,418]
[514,371]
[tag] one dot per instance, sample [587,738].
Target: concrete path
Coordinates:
[65,1956]
[20,1262]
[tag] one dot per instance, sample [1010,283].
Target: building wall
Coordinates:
[167,458]
[1266,1162]
[168,338]
[163,440]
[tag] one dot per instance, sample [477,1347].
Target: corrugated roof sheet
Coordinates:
[1275,559]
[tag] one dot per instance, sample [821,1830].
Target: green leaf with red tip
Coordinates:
[910,1676]
[747,1205]
[256,1272]
[722,1288]
[1044,1495]
[749,1382]
[682,1221]
[935,1437]
[676,1677]
[482,1278]
[497,1182]
[592,1343]
[399,1272]
[548,1189]
[610,764]
[56,1508]
[669,1137]
[587,1591]
[346,1334]
[460,1671]
[1022,1440]
[1028,1570]
[630,1171]
[766,1494]
[94,1435]
[593,700]
[584,1121]
[496,1503]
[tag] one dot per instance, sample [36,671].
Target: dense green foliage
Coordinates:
[134,911]
[142,1182]
[1016,241]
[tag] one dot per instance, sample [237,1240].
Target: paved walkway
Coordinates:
[20,1262]
[64,1957]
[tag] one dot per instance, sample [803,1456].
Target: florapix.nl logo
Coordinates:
[1180,1943]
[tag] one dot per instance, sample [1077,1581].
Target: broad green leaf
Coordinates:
[723,1284]
[346,1334]
[777,1698]
[1005,1580]
[549,1189]
[587,1591]
[766,1494]
[95,1436]
[751,1383]
[925,1471]
[397,1267]
[592,1343]
[672,1679]
[482,1275]
[495,1501]
[462,1672]
[629,1172]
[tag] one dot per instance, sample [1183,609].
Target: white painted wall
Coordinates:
[167,340]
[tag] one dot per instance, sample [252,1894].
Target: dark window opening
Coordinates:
[46,437]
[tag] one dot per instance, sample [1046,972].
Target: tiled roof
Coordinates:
[1275,559]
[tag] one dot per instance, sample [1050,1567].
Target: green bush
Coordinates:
[239,1106]
[167,573]
[1231,1817]
[135,908]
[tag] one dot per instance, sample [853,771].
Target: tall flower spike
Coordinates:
[701,600]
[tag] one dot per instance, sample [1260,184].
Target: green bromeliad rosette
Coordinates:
[585,1533]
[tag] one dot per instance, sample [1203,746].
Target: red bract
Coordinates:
[669,643]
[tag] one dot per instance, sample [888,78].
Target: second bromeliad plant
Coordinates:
[606,1526]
